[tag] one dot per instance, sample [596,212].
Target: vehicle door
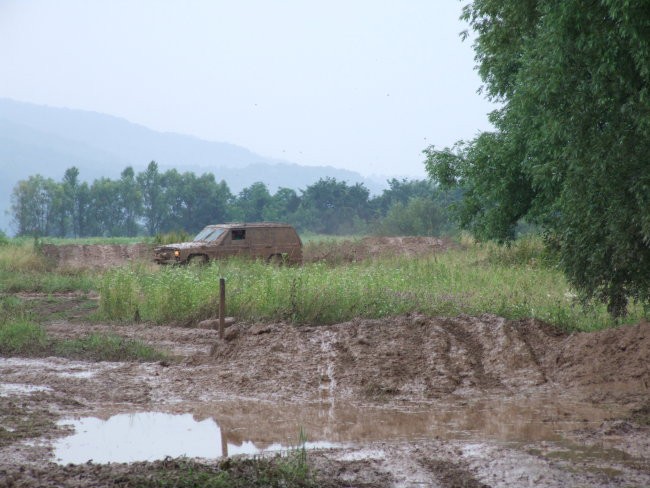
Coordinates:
[262,242]
[236,242]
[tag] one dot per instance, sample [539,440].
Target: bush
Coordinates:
[172,237]
[22,339]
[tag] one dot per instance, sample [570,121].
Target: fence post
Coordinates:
[222,306]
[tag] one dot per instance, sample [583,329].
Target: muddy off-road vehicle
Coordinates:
[269,241]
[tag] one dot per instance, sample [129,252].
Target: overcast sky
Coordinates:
[357,84]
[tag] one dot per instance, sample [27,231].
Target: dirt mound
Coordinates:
[424,357]
[418,357]
[412,400]
[620,355]
[407,246]
[354,250]
[79,256]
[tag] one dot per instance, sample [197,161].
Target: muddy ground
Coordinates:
[410,401]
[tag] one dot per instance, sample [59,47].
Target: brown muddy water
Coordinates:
[401,402]
[240,427]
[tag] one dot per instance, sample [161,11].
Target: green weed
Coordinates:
[60,241]
[475,280]
[24,268]
[172,237]
[47,282]
[106,347]
[31,340]
[22,256]
[260,472]
[13,309]
[23,339]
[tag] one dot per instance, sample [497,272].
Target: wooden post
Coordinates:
[222,306]
[224,443]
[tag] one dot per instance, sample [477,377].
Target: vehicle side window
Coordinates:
[238,234]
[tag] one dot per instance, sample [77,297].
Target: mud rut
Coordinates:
[402,396]
[358,374]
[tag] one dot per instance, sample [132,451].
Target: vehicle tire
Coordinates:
[276,259]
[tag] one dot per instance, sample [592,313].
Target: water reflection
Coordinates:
[148,436]
[230,428]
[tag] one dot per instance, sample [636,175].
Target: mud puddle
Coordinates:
[9,389]
[231,428]
[149,436]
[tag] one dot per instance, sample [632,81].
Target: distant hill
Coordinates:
[36,139]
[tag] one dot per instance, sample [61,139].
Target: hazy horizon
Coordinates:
[364,86]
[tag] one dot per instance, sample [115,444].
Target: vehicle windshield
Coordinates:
[208,234]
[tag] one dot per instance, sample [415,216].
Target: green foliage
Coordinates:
[570,152]
[23,268]
[118,289]
[526,251]
[332,207]
[22,339]
[172,237]
[13,309]
[251,203]
[419,217]
[495,194]
[516,282]
[21,256]
[12,282]
[19,336]
[60,241]
[415,207]
[31,201]
[106,347]
[401,192]
[155,203]
[277,472]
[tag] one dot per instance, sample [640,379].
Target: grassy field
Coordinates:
[22,335]
[514,282]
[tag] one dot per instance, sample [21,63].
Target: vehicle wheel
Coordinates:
[276,260]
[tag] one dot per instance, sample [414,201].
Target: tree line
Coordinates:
[153,202]
[571,145]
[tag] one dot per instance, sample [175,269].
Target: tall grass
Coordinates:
[60,241]
[106,347]
[22,339]
[22,256]
[24,268]
[514,283]
[27,339]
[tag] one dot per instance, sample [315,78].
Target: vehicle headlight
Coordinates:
[177,253]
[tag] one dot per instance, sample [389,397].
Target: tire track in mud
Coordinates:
[411,357]
[327,386]
[419,357]
[474,354]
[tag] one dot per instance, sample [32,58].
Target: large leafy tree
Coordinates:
[571,149]
[104,209]
[402,191]
[333,207]
[251,202]
[154,206]
[282,206]
[32,206]
[71,199]
[130,199]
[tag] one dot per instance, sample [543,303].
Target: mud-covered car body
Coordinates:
[261,240]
